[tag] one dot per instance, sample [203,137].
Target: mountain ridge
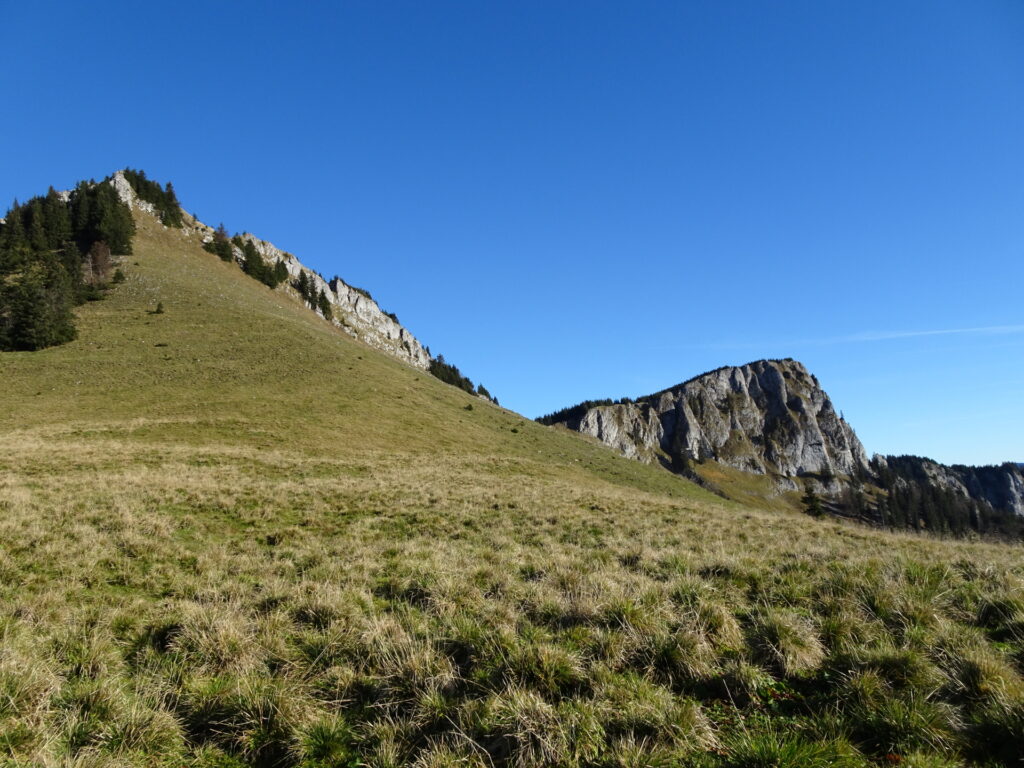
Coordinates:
[772,418]
[768,416]
[357,312]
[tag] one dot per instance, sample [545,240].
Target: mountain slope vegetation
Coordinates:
[235,536]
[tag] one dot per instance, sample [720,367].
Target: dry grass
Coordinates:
[265,544]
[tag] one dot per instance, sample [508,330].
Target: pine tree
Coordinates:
[38,308]
[58,220]
[253,264]
[324,305]
[171,207]
[302,285]
[14,228]
[36,225]
[114,223]
[280,272]
[812,504]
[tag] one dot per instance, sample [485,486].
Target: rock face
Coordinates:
[770,417]
[1000,486]
[353,310]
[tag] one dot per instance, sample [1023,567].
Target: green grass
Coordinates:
[234,536]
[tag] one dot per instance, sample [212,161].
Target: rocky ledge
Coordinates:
[353,310]
[770,417]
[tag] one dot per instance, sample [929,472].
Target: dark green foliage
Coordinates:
[252,262]
[35,307]
[58,221]
[914,500]
[812,504]
[118,276]
[280,272]
[43,272]
[324,304]
[97,213]
[574,413]
[164,200]
[304,285]
[220,245]
[316,299]
[450,374]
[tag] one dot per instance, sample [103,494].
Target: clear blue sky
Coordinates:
[588,199]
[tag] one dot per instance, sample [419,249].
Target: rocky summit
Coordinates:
[769,417]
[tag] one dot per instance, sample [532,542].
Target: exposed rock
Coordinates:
[353,311]
[769,417]
[772,418]
[127,194]
[1000,486]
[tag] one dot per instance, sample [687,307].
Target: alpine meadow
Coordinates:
[247,519]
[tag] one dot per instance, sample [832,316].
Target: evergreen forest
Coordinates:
[55,253]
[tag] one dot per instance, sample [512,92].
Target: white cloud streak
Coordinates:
[989,330]
[869,336]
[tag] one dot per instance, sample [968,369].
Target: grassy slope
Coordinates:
[234,536]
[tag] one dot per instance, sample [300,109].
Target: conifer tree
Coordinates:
[324,305]
[14,229]
[812,504]
[36,225]
[37,308]
[302,285]
[253,264]
[171,207]
[280,272]
[58,220]
[114,222]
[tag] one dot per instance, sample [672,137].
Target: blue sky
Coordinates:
[591,199]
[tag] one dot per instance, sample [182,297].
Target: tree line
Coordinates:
[450,374]
[914,500]
[55,253]
[163,199]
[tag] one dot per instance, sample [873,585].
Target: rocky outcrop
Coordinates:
[999,486]
[770,417]
[352,310]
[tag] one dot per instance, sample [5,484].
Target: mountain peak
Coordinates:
[769,417]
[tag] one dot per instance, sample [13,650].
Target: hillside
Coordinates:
[235,535]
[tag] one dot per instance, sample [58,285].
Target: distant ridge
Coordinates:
[771,418]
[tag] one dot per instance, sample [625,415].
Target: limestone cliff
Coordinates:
[353,310]
[1000,487]
[770,417]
